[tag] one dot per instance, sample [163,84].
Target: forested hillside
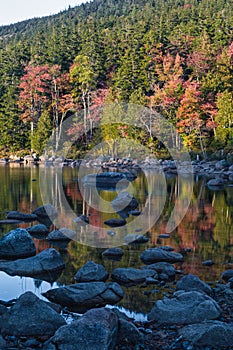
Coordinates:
[173,56]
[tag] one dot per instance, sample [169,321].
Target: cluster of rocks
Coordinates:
[195,314]
[217,169]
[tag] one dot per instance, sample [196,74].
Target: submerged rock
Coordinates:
[30,316]
[84,296]
[131,276]
[95,330]
[153,255]
[16,215]
[214,334]
[91,272]
[185,308]
[42,265]
[17,244]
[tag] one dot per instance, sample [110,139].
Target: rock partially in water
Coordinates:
[42,265]
[135,238]
[208,263]
[218,182]
[124,202]
[166,271]
[211,334]
[185,308]
[84,296]
[91,272]
[191,282]
[17,244]
[95,330]
[57,235]
[107,179]
[16,215]
[113,253]
[131,276]
[115,222]
[81,220]
[153,255]
[30,316]
[226,275]
[46,211]
[39,229]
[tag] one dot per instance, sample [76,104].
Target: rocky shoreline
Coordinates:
[219,173]
[192,314]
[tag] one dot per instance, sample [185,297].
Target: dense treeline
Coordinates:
[173,56]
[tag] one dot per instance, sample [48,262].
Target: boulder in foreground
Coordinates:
[214,334]
[185,308]
[81,297]
[95,330]
[30,316]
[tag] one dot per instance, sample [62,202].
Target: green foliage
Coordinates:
[141,52]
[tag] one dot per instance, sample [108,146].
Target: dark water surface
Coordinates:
[206,228]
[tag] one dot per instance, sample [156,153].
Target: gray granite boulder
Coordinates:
[39,229]
[95,330]
[124,201]
[128,334]
[16,215]
[211,334]
[185,308]
[45,263]
[131,276]
[46,211]
[17,244]
[81,297]
[57,235]
[30,316]
[153,255]
[91,272]
[191,282]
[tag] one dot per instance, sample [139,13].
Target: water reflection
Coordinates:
[206,228]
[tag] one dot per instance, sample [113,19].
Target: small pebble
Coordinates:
[208,263]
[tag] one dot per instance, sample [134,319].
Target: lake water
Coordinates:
[206,228]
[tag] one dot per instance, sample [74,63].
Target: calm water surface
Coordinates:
[206,227]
